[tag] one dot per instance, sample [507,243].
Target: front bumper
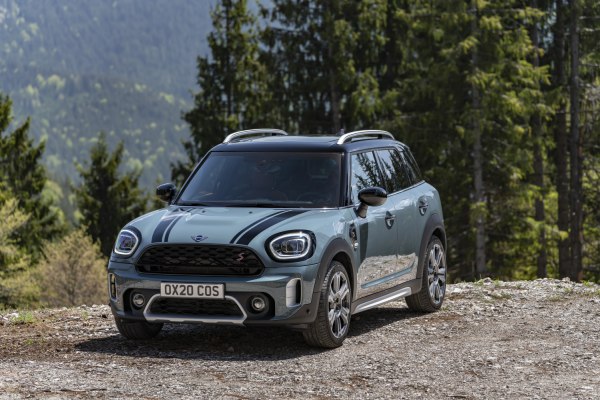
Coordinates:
[289,290]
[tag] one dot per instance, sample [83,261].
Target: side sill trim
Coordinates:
[192,318]
[382,300]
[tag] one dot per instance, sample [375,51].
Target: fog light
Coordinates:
[258,303]
[138,300]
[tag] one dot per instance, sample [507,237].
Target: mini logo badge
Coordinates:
[199,238]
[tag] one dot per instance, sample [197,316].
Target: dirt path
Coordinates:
[537,339]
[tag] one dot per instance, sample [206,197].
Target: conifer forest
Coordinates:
[499,101]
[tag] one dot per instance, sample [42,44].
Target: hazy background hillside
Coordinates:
[126,67]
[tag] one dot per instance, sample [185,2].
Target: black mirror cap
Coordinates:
[166,192]
[371,196]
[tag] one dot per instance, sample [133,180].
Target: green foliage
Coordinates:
[106,199]
[24,176]
[16,286]
[232,84]
[73,272]
[23,318]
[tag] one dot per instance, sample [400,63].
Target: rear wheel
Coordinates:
[333,317]
[137,330]
[433,288]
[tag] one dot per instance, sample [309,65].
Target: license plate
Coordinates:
[193,290]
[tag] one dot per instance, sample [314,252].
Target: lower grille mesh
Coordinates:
[198,307]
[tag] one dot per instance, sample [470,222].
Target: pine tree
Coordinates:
[232,80]
[106,199]
[24,175]
[323,58]
[466,92]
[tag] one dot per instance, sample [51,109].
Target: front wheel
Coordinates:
[333,317]
[433,287]
[137,330]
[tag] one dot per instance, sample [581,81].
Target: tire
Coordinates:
[335,301]
[433,287]
[137,330]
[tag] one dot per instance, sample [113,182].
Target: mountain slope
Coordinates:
[124,67]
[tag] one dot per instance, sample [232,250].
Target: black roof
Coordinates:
[304,144]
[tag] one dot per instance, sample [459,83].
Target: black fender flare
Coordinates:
[337,246]
[434,223]
[308,312]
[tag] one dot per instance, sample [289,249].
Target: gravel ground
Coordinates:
[537,339]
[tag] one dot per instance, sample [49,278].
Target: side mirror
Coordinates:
[371,196]
[166,192]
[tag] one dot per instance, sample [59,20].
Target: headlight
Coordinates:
[291,246]
[127,242]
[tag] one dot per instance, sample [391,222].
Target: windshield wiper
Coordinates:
[254,204]
[190,203]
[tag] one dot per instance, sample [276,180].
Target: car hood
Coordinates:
[211,225]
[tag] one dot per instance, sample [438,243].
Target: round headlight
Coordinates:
[291,246]
[127,242]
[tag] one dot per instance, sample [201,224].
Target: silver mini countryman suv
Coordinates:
[272,229]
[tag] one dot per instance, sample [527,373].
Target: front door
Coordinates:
[377,233]
[389,237]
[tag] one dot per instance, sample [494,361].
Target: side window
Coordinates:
[412,167]
[393,169]
[364,173]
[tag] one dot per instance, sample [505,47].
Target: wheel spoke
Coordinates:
[432,286]
[336,282]
[345,314]
[442,274]
[337,326]
[432,258]
[331,299]
[344,291]
[331,317]
[438,257]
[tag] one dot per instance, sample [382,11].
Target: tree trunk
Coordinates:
[479,195]
[538,168]
[560,136]
[576,233]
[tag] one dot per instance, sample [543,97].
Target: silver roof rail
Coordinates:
[368,134]
[251,132]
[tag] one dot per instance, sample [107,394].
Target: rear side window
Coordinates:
[412,168]
[365,173]
[393,169]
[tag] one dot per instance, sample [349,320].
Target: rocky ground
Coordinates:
[538,339]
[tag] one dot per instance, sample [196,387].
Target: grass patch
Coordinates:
[569,290]
[501,295]
[556,298]
[23,318]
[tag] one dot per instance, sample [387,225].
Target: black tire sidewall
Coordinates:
[434,240]
[334,267]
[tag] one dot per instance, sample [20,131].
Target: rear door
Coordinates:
[403,202]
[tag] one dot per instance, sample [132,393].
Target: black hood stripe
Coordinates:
[162,226]
[237,235]
[266,224]
[168,232]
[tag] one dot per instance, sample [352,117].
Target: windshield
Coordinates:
[265,180]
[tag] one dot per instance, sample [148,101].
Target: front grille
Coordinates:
[198,307]
[194,259]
